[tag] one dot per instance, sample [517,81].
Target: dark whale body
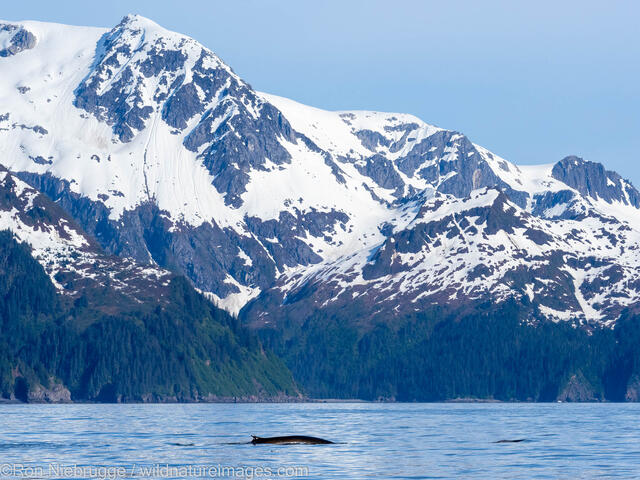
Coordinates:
[511,441]
[290,440]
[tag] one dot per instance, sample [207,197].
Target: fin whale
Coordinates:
[290,440]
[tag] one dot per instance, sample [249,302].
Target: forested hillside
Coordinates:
[438,355]
[181,349]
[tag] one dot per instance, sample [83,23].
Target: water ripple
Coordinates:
[399,441]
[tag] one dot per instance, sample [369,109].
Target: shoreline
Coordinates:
[4,401]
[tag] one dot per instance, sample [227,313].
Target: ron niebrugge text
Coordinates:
[57,470]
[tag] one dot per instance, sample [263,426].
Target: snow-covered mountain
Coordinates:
[73,261]
[165,156]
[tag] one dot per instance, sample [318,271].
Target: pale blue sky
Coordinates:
[532,81]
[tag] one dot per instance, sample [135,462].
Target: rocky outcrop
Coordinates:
[56,393]
[21,39]
[578,389]
[34,392]
[633,389]
[593,180]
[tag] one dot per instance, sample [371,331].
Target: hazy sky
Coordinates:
[532,81]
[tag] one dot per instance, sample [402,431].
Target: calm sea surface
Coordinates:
[385,441]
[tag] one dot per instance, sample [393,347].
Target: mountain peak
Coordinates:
[166,156]
[136,18]
[139,68]
[593,180]
[136,22]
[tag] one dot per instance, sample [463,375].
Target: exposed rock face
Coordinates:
[56,393]
[209,255]
[107,92]
[232,150]
[24,392]
[17,39]
[591,179]
[454,253]
[73,260]
[633,390]
[578,389]
[190,86]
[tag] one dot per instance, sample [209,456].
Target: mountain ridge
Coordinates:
[170,158]
[379,256]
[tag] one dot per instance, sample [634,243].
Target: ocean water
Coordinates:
[373,441]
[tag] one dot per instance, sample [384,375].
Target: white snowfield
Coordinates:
[41,131]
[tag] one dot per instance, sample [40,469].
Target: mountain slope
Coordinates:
[456,252]
[164,155]
[380,256]
[77,324]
